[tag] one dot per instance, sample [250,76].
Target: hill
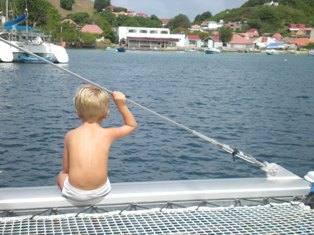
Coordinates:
[79,6]
[271,18]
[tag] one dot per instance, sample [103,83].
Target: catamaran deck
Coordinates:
[271,205]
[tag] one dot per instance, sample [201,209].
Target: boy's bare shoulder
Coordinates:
[70,133]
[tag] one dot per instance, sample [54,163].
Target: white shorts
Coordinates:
[76,194]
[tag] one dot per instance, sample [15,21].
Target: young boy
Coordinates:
[86,148]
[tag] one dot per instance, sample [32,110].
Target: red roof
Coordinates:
[111,7]
[92,28]
[140,14]
[215,38]
[297,26]
[302,41]
[251,30]
[237,39]
[193,37]
[278,37]
[164,21]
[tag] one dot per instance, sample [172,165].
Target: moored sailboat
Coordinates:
[28,38]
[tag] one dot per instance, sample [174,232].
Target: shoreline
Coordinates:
[223,50]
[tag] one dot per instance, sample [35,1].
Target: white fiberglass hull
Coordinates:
[11,54]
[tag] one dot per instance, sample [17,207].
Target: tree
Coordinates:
[69,33]
[179,21]
[40,12]
[204,16]
[102,22]
[254,23]
[80,18]
[100,5]
[225,34]
[119,9]
[108,16]
[137,21]
[66,4]
[253,3]
[89,39]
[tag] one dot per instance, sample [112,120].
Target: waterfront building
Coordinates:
[240,43]
[193,41]
[149,38]
[213,42]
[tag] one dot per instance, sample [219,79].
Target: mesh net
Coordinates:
[285,218]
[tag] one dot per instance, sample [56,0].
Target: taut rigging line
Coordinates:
[234,151]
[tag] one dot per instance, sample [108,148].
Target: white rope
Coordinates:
[227,148]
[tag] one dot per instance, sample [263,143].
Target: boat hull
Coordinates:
[9,53]
[212,51]
[121,49]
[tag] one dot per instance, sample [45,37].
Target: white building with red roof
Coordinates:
[193,41]
[214,42]
[239,42]
[164,21]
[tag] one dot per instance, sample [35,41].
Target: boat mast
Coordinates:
[7,10]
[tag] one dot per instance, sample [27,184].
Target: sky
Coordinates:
[172,8]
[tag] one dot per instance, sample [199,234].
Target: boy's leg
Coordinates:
[61,178]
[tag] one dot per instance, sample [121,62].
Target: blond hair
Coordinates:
[91,103]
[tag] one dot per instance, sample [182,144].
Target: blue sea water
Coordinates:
[263,105]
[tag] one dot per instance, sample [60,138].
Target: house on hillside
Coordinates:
[70,22]
[92,28]
[278,37]
[195,27]
[121,13]
[164,22]
[140,14]
[111,8]
[193,41]
[211,25]
[252,33]
[296,27]
[312,34]
[234,26]
[271,3]
[240,43]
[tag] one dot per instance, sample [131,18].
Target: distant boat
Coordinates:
[212,51]
[271,52]
[121,49]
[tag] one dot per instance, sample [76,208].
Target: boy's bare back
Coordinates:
[86,148]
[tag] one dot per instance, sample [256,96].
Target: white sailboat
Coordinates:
[30,39]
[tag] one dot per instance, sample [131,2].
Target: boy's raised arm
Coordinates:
[129,121]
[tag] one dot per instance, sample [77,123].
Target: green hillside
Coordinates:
[78,6]
[271,19]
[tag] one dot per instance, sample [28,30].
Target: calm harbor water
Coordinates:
[263,105]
